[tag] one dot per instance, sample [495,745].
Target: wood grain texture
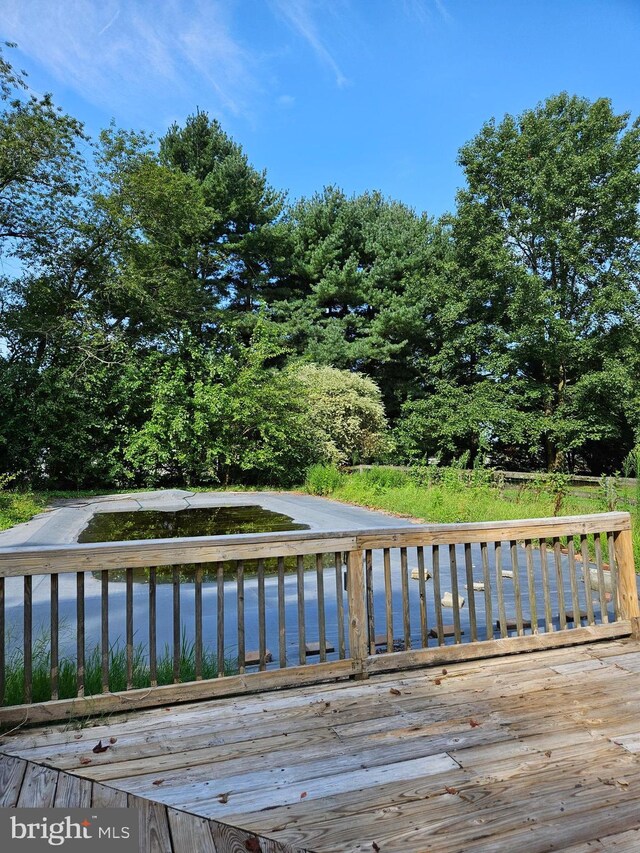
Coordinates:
[38,787]
[155,836]
[533,752]
[72,792]
[45,559]
[12,772]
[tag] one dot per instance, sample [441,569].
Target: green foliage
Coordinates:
[67,671]
[322,479]
[345,411]
[173,320]
[547,235]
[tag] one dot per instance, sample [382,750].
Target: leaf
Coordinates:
[303,795]
[158,781]
[473,723]
[224,798]
[394,691]
[100,748]
[450,790]
[85,760]
[548,753]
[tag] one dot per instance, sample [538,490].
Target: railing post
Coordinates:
[627,589]
[358,629]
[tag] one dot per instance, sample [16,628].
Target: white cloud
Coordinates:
[116,53]
[301,16]
[423,11]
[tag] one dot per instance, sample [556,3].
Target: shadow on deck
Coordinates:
[533,752]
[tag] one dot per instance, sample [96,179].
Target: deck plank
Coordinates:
[535,752]
[12,772]
[38,787]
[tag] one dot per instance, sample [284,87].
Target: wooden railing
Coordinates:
[262,611]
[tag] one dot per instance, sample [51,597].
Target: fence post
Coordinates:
[627,589]
[358,627]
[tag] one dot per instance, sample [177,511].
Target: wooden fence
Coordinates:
[314,606]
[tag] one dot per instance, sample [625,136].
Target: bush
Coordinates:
[322,479]
[385,478]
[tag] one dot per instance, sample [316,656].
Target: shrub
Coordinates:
[322,479]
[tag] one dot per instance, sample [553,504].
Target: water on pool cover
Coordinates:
[200,521]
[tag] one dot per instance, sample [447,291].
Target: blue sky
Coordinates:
[364,94]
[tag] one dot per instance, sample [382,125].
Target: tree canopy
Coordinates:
[168,316]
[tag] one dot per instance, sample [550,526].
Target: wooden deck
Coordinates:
[533,752]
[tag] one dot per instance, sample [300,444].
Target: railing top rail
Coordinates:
[47,559]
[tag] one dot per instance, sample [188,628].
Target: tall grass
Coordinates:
[68,671]
[451,495]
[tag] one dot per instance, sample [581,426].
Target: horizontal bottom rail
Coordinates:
[255,682]
[167,694]
[390,661]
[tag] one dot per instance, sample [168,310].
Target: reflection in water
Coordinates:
[201,521]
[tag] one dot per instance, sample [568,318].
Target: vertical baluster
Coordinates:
[486,575]
[388,592]
[302,652]
[2,643]
[404,577]
[533,607]
[282,630]
[502,613]
[153,641]
[517,593]
[604,611]
[546,591]
[557,556]
[55,634]
[424,636]
[176,624]
[340,605]
[28,639]
[584,550]
[371,627]
[468,564]
[322,631]
[573,580]
[80,644]
[104,630]
[613,568]
[437,592]
[262,622]
[220,617]
[198,621]
[129,628]
[240,602]
[453,571]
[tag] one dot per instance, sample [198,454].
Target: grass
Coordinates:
[16,507]
[458,496]
[68,672]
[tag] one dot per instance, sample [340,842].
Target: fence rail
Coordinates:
[259,611]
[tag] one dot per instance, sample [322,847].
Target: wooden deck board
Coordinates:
[536,752]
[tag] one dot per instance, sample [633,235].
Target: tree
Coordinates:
[547,236]
[40,166]
[343,291]
[234,418]
[345,414]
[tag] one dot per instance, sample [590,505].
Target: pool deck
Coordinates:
[533,752]
[64,520]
